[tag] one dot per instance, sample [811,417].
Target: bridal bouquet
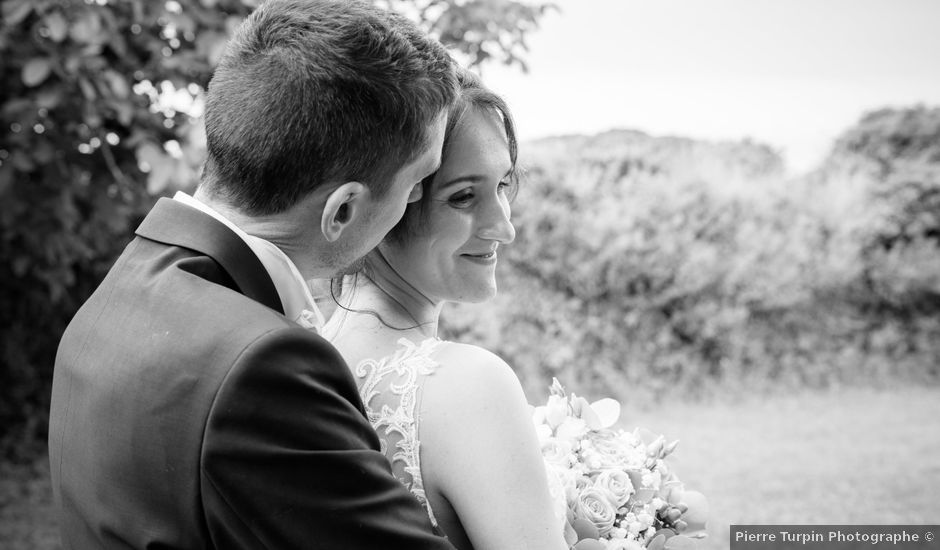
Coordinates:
[613,488]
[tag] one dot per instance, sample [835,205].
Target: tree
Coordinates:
[99,115]
[899,150]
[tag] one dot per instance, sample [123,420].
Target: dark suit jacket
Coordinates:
[188,412]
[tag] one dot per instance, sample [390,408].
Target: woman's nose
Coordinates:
[496,224]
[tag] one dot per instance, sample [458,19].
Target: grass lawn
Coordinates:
[840,457]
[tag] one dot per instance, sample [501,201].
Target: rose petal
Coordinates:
[585,529]
[571,536]
[645,435]
[571,428]
[538,415]
[543,432]
[556,410]
[607,411]
[590,417]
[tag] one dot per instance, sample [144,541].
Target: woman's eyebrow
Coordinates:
[468,178]
[471,178]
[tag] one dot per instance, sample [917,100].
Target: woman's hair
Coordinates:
[472,95]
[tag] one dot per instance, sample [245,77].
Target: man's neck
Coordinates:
[284,230]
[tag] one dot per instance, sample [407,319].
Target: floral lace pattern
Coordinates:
[390,390]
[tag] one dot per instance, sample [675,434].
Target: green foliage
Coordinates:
[477,31]
[82,127]
[99,116]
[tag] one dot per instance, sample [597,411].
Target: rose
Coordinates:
[594,506]
[558,452]
[571,428]
[617,484]
[614,450]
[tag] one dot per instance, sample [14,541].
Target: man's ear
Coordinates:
[416,192]
[343,206]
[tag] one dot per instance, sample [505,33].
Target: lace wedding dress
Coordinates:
[390,388]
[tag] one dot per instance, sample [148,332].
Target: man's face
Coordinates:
[385,211]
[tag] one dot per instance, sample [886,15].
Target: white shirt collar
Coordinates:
[299,305]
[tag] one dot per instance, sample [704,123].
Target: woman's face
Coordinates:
[452,255]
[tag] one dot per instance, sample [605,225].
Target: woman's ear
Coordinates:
[343,205]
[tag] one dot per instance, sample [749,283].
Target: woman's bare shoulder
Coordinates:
[470,369]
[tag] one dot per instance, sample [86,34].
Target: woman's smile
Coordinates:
[485,258]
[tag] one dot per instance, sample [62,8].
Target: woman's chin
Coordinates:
[478,295]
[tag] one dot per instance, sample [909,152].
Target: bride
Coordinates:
[452,417]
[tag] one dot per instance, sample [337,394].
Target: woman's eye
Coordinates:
[460,199]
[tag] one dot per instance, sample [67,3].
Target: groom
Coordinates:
[194,405]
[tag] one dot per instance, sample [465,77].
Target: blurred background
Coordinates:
[730,221]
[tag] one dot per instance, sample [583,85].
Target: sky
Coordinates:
[790,73]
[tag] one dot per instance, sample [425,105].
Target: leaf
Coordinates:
[6,179]
[680,542]
[162,166]
[697,514]
[87,29]
[585,529]
[22,161]
[49,99]
[211,45]
[16,107]
[43,152]
[21,265]
[58,26]
[14,12]
[125,112]
[118,84]
[88,90]
[36,71]
[658,543]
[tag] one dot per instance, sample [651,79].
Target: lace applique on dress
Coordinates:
[389,388]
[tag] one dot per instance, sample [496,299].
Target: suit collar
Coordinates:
[174,223]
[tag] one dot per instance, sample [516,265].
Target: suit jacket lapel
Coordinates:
[174,223]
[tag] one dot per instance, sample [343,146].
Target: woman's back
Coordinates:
[455,426]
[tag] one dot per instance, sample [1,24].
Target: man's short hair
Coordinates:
[315,92]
